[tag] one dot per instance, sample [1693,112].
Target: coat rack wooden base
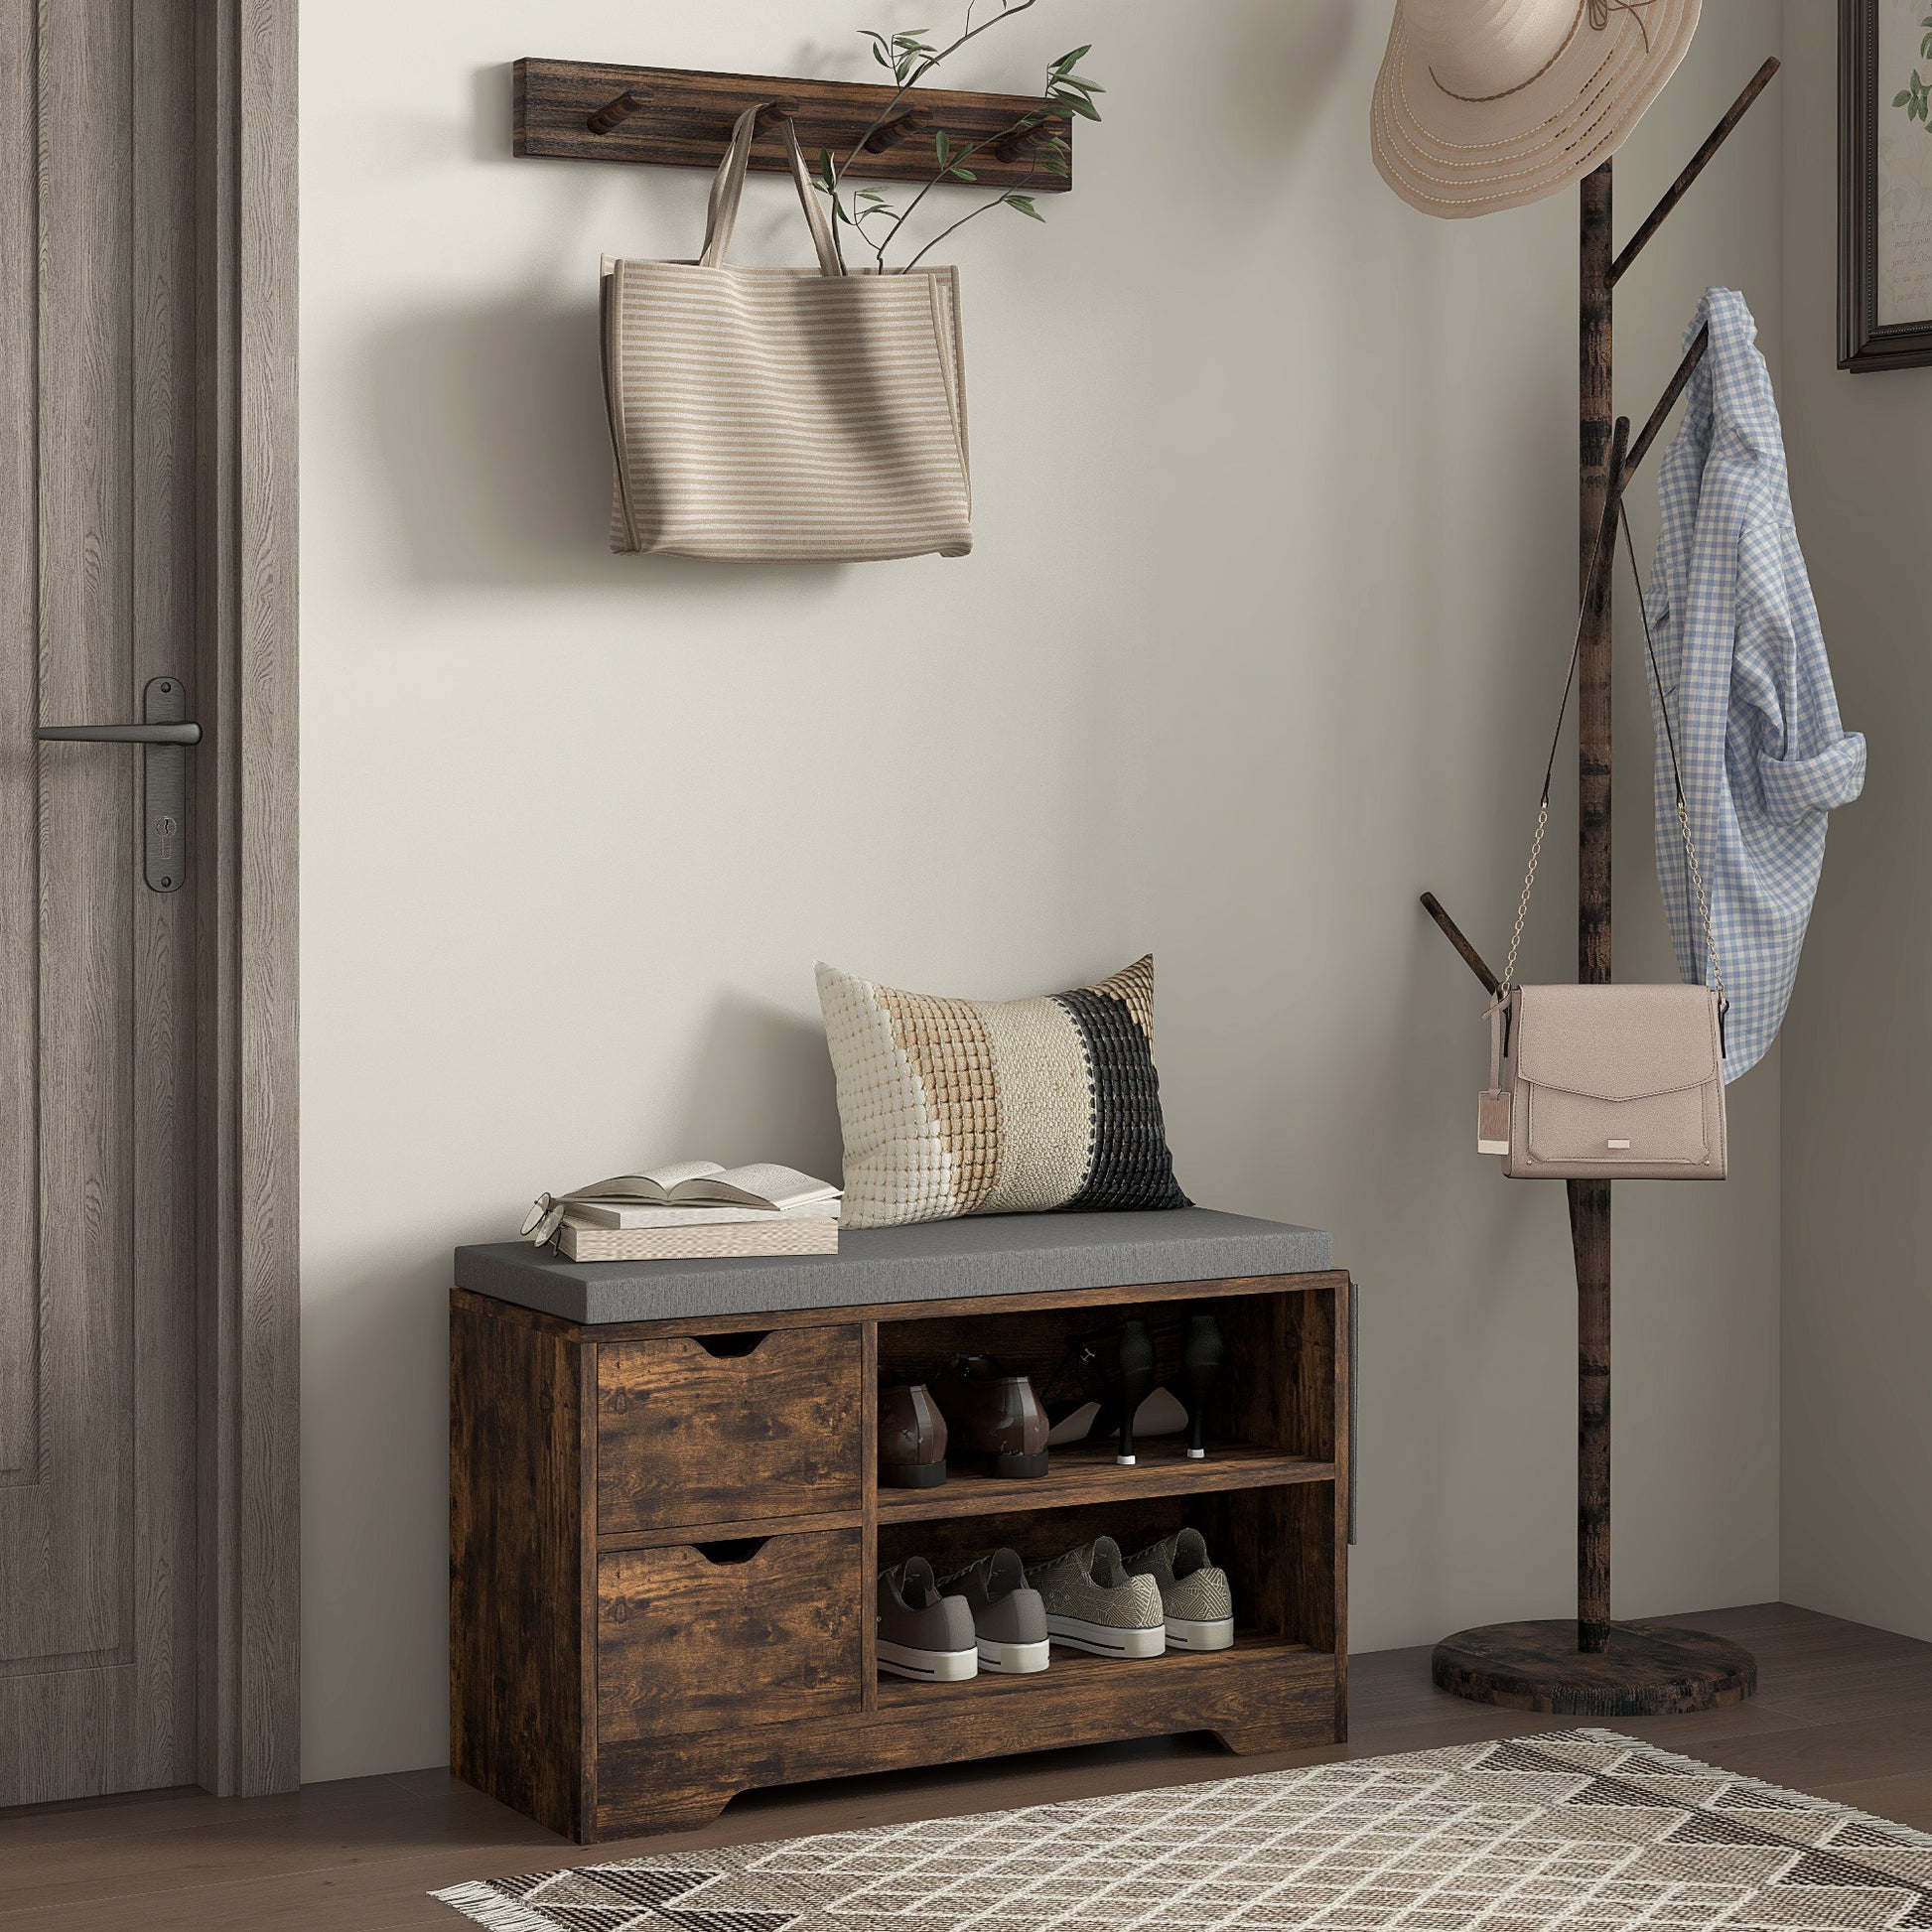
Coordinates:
[1650,1670]
[1593,1667]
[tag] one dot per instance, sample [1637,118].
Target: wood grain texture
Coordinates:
[244,858]
[1589,1200]
[518,1622]
[1086,1473]
[1272,1696]
[362,1855]
[686,1435]
[693,1642]
[97,1666]
[1642,1670]
[731,1526]
[164,641]
[19,792]
[868,1380]
[684,118]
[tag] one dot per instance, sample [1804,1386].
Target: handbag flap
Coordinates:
[1618,1042]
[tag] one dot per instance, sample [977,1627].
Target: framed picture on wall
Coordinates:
[1884,243]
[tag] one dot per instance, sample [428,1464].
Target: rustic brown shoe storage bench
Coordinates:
[665,1532]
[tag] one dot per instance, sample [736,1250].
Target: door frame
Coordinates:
[245,826]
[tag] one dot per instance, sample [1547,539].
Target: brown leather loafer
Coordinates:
[997,1424]
[911,1438]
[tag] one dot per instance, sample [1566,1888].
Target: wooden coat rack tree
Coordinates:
[1592,1666]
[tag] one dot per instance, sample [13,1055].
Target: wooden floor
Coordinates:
[1842,1710]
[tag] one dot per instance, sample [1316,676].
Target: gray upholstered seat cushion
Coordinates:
[1001,1254]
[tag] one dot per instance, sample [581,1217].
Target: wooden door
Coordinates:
[98,590]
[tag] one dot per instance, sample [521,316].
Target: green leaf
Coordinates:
[1072,59]
[1902,100]
[965,174]
[1084,108]
[1025,204]
[943,146]
[1077,80]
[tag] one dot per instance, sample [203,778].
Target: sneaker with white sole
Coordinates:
[1093,1604]
[1196,1606]
[922,1634]
[1009,1619]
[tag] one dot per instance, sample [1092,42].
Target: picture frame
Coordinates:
[1884,293]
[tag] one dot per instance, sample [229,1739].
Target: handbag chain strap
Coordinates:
[1677,775]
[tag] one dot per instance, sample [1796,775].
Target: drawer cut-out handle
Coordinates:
[723,1347]
[735,1549]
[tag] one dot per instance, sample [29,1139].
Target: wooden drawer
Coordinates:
[689,1641]
[688,1437]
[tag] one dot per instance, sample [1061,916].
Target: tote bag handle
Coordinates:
[728,189]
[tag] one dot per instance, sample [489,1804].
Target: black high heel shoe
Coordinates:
[1200,1364]
[1134,1356]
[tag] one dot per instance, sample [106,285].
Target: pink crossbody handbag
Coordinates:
[1608,1082]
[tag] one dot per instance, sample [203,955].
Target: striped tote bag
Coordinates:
[775,415]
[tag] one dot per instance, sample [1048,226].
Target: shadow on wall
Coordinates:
[761,1089]
[489,424]
[490,429]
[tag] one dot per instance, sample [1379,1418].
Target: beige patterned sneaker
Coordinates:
[1093,1604]
[1196,1606]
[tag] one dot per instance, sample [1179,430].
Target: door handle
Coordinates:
[165,735]
[122,734]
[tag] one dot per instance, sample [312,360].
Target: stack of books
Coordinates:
[691,1211]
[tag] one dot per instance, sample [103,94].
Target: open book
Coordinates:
[687,1193]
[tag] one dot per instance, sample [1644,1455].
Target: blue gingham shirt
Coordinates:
[1742,658]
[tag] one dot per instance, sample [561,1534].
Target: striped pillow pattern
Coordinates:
[775,415]
[954,1107]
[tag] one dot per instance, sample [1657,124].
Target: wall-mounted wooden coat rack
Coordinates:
[580,110]
[1594,1667]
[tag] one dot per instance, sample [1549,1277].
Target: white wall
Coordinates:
[1858,1057]
[1274,581]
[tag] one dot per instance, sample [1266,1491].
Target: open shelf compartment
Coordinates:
[1270,1496]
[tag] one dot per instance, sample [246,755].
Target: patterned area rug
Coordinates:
[1583,1830]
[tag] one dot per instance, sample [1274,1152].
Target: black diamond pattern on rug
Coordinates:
[1621,1796]
[1526,1757]
[727,1919]
[1452,1840]
[1707,1828]
[649,1885]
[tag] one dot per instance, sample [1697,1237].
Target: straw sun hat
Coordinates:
[1485,105]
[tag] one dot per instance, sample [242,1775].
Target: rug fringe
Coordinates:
[482,1904]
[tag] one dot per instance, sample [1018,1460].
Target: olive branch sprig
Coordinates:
[909,57]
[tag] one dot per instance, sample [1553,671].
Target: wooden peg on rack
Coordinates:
[899,128]
[1011,147]
[1694,168]
[1453,933]
[584,110]
[1692,357]
[615,111]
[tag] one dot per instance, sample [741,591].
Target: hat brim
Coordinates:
[1452,155]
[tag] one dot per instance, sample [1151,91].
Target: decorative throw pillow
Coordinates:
[997,1107]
